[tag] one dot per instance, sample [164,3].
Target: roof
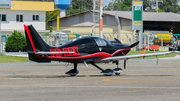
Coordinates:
[147,16]
[32,5]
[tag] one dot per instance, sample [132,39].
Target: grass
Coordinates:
[13,59]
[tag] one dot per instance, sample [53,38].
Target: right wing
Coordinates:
[115,58]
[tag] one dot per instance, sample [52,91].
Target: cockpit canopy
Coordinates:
[90,42]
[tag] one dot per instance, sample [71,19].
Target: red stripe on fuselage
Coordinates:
[103,55]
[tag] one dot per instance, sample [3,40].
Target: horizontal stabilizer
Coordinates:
[48,53]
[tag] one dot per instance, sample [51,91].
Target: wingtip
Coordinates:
[175,52]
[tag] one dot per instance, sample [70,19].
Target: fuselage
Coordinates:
[87,49]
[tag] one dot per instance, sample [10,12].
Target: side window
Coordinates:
[35,17]
[86,43]
[100,42]
[19,18]
[3,17]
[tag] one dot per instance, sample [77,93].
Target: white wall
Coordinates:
[11,24]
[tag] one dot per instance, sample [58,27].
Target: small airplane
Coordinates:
[83,50]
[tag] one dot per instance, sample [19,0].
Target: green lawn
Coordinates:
[13,59]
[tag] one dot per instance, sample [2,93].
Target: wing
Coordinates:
[138,56]
[49,53]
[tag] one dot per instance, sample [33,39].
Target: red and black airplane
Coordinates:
[83,50]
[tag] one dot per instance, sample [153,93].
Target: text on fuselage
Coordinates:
[68,49]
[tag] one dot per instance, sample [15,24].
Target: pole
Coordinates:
[133,40]
[0,33]
[148,42]
[144,39]
[119,26]
[101,21]
[157,5]
[94,5]
[161,40]
[127,39]
[140,39]
[57,20]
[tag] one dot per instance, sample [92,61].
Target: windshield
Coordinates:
[100,42]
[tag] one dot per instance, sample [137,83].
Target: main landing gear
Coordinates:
[107,72]
[73,72]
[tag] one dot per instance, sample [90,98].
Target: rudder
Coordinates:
[34,44]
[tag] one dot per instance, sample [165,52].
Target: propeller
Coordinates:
[124,64]
[134,44]
[117,41]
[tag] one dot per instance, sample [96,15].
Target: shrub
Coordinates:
[16,42]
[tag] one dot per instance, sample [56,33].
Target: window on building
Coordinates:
[35,17]
[19,18]
[3,17]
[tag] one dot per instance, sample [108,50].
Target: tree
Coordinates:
[126,5]
[16,42]
[169,6]
[117,5]
[78,6]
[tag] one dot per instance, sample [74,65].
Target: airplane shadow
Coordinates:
[52,76]
[67,76]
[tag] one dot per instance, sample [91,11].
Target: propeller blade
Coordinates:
[134,44]
[117,41]
[124,64]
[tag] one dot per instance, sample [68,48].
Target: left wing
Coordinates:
[138,56]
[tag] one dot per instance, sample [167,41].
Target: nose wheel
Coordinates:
[117,71]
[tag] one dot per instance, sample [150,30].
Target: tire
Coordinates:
[117,73]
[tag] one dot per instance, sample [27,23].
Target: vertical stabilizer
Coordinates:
[35,44]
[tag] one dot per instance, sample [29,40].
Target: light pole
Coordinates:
[0,35]
[157,5]
[101,21]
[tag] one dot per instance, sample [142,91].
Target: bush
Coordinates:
[16,42]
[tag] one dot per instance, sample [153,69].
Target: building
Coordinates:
[82,23]
[16,14]
[19,13]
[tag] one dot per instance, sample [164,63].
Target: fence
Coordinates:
[51,40]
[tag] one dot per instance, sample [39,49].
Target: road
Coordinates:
[143,80]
